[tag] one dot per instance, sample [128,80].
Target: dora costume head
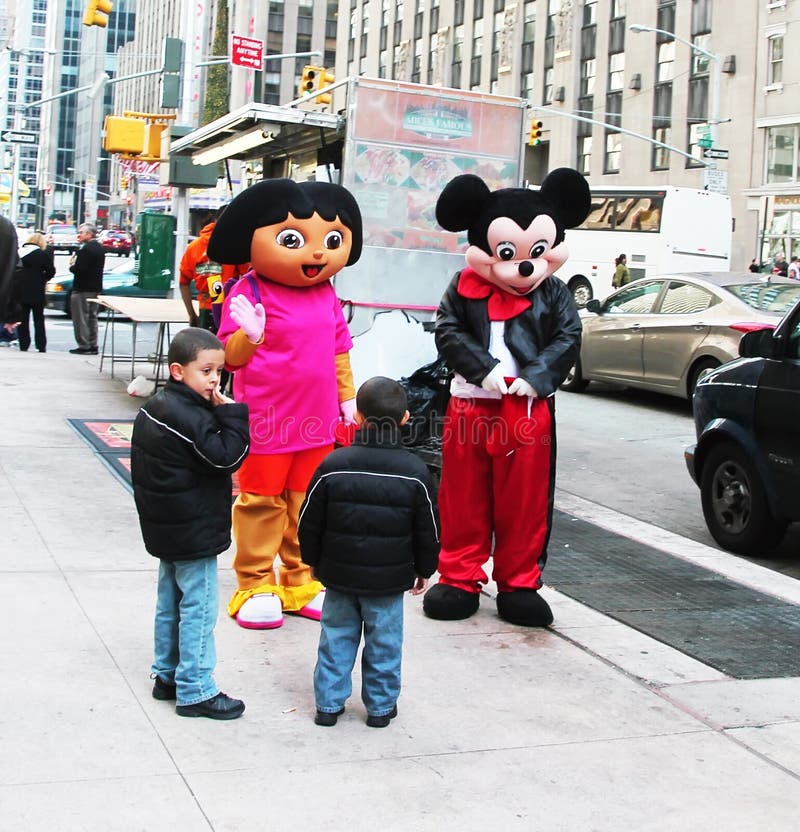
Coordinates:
[294,233]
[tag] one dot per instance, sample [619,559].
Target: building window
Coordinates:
[618,8]
[584,154]
[665,61]
[589,12]
[616,71]
[613,153]
[458,12]
[775,58]
[783,164]
[528,37]
[588,74]
[660,154]
[701,16]
[547,92]
[700,62]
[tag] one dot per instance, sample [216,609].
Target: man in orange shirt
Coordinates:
[197,268]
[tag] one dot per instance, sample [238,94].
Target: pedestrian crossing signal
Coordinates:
[535,135]
[97,12]
[324,79]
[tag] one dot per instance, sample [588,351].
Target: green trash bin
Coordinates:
[155,246]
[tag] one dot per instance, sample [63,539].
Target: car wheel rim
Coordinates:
[731,498]
[582,294]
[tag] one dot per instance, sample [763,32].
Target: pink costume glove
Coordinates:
[520,387]
[348,409]
[251,319]
[494,381]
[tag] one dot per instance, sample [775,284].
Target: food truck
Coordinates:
[394,145]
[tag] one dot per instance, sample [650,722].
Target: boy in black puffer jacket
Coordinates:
[187,441]
[369,530]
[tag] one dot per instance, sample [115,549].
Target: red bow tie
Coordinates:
[502,305]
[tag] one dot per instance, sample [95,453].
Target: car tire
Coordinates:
[575,382]
[581,291]
[699,369]
[735,503]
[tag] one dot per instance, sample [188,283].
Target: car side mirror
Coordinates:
[759,343]
[594,305]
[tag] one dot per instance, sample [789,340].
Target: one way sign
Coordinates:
[18,137]
[715,153]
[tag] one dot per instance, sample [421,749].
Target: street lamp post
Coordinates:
[716,74]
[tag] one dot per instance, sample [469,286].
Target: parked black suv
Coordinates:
[747,457]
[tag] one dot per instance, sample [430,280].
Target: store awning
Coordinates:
[258,131]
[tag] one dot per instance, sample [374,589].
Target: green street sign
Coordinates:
[705,141]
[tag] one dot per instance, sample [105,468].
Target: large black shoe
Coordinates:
[448,603]
[163,691]
[524,607]
[328,719]
[81,350]
[220,706]
[91,351]
[381,721]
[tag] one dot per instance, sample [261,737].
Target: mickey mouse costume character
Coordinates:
[287,339]
[510,332]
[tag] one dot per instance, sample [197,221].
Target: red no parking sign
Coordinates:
[247,52]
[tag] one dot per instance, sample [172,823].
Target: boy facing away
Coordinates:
[187,441]
[369,531]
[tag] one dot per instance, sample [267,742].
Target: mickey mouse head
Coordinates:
[516,235]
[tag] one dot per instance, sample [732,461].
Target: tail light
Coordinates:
[751,327]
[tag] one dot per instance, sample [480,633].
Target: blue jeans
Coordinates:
[186,612]
[342,618]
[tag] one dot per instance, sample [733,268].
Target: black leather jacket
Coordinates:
[545,340]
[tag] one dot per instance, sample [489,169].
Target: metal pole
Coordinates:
[19,110]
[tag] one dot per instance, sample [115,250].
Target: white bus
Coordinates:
[660,230]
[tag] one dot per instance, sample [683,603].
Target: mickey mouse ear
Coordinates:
[567,191]
[460,202]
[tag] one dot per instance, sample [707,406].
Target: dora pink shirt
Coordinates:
[290,382]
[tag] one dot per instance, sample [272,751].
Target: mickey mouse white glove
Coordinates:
[250,318]
[520,387]
[348,409]
[494,381]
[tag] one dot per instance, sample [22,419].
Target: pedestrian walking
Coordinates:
[622,274]
[87,267]
[36,268]
[187,441]
[369,530]
[794,268]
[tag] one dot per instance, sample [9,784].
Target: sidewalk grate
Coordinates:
[739,631]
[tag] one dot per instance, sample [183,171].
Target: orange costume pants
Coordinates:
[272,488]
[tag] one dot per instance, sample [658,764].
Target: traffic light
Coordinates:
[535,135]
[97,12]
[310,79]
[123,183]
[324,79]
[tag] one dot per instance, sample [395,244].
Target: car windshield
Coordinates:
[62,229]
[767,297]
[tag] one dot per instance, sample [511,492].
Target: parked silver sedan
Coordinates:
[664,333]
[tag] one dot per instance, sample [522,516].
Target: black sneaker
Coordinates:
[328,719]
[163,691]
[80,350]
[381,721]
[220,706]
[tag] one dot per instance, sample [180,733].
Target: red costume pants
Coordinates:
[498,477]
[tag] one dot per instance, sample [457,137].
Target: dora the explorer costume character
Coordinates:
[510,332]
[287,339]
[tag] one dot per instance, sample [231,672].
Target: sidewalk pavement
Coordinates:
[589,725]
